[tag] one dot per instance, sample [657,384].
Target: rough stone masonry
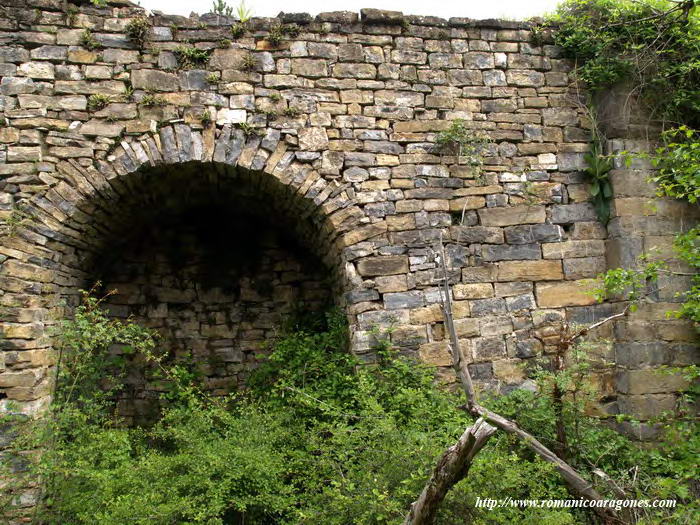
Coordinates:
[323,128]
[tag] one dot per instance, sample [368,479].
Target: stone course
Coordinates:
[332,134]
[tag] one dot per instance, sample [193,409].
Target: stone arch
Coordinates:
[65,227]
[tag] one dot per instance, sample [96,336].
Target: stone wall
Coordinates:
[331,130]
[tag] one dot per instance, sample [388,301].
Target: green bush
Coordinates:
[318,438]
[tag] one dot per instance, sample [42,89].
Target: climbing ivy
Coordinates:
[653,46]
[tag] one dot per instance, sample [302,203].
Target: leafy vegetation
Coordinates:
[98,101]
[652,45]
[243,13]
[190,57]
[597,170]
[678,163]
[317,438]
[249,62]
[152,100]
[248,129]
[137,30]
[205,118]
[238,30]
[221,7]
[463,142]
[275,35]
[88,41]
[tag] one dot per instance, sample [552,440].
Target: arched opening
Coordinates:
[217,259]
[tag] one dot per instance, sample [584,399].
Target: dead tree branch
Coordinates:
[577,483]
[451,468]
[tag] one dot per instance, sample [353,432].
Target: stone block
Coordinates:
[584,268]
[496,325]
[519,303]
[481,371]
[540,270]
[524,78]
[154,80]
[511,289]
[533,233]
[570,213]
[382,265]
[37,70]
[649,382]
[506,252]
[401,300]
[231,116]
[476,234]
[24,378]
[509,370]
[359,71]
[409,336]
[230,58]
[484,307]
[647,406]
[472,291]
[570,293]
[467,327]
[572,249]
[509,216]
[391,283]
[24,154]
[313,139]
[489,348]
[309,67]
[436,354]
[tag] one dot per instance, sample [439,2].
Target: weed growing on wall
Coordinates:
[137,30]
[468,145]
[190,57]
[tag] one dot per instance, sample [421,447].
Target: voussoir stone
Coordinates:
[382,265]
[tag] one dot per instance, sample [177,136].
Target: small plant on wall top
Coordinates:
[220,7]
[275,36]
